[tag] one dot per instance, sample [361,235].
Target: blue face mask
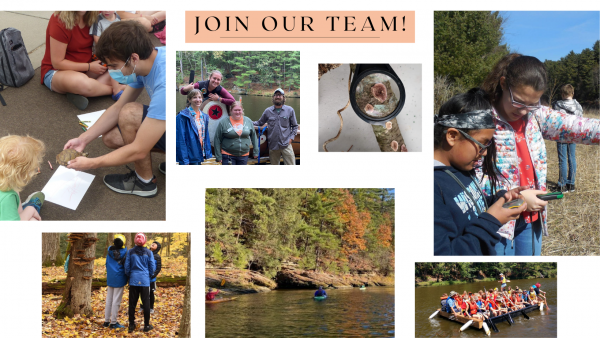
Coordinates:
[118,76]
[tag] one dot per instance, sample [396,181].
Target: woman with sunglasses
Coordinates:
[515,87]
[465,220]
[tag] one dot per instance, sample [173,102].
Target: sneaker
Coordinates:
[559,188]
[35,200]
[131,328]
[81,102]
[130,184]
[571,187]
[116,326]
[151,311]
[163,168]
[106,324]
[116,96]
[148,328]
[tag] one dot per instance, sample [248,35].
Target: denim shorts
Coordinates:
[48,78]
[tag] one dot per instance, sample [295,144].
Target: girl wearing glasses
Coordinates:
[515,87]
[467,221]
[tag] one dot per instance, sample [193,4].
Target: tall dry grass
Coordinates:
[574,221]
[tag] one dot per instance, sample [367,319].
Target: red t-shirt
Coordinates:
[527,174]
[211,295]
[79,43]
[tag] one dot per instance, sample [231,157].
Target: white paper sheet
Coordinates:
[67,187]
[91,117]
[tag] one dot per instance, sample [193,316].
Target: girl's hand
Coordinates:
[96,67]
[534,203]
[513,193]
[503,215]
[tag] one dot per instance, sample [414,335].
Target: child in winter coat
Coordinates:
[115,281]
[567,162]
[466,221]
[155,248]
[20,158]
[139,266]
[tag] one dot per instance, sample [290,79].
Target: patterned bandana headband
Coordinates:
[477,119]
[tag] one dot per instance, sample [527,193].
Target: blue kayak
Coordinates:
[320,297]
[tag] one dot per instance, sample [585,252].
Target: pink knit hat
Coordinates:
[140,239]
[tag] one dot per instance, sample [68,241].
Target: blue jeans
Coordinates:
[235,160]
[527,241]
[566,156]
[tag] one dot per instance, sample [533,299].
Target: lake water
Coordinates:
[254,106]
[293,313]
[541,323]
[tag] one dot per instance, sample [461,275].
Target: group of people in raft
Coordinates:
[489,150]
[491,303]
[234,135]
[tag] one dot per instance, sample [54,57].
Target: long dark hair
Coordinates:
[518,70]
[474,99]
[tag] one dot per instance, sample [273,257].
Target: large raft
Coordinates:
[478,323]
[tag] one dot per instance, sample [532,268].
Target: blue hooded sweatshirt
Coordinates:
[139,266]
[115,270]
[458,229]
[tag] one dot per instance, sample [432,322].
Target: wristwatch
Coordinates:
[376,93]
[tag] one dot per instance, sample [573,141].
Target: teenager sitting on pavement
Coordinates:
[129,127]
[67,66]
[105,19]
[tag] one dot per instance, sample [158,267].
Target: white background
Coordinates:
[409,174]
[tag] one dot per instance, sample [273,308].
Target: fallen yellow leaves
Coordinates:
[165,319]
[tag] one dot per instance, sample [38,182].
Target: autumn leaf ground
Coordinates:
[165,319]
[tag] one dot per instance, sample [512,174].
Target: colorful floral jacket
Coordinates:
[543,123]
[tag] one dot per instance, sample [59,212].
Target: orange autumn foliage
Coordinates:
[355,223]
[384,233]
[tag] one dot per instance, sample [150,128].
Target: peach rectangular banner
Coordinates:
[300,26]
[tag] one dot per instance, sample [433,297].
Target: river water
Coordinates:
[293,313]
[254,106]
[540,324]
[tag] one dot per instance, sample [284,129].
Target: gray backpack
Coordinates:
[15,66]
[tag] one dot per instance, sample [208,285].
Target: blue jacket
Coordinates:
[115,272]
[319,293]
[458,228]
[139,266]
[188,148]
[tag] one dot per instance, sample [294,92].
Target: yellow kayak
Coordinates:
[219,300]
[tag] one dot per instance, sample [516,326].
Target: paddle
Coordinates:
[223,282]
[433,315]
[464,327]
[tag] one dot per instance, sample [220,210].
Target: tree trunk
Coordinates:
[386,137]
[51,249]
[109,241]
[78,289]
[129,236]
[169,244]
[186,319]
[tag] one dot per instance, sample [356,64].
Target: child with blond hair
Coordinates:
[20,157]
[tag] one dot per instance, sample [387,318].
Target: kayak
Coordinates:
[320,297]
[362,288]
[219,300]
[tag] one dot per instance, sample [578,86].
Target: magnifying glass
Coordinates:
[376,93]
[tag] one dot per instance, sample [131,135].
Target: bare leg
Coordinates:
[68,81]
[158,15]
[113,139]
[130,120]
[116,87]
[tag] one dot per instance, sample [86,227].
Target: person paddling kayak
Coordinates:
[320,292]
[210,295]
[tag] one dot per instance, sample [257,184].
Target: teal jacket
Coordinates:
[237,145]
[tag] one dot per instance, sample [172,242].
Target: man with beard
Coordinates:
[282,128]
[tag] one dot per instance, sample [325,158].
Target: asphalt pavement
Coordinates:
[36,111]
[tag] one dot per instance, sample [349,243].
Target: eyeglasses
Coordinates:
[523,106]
[482,147]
